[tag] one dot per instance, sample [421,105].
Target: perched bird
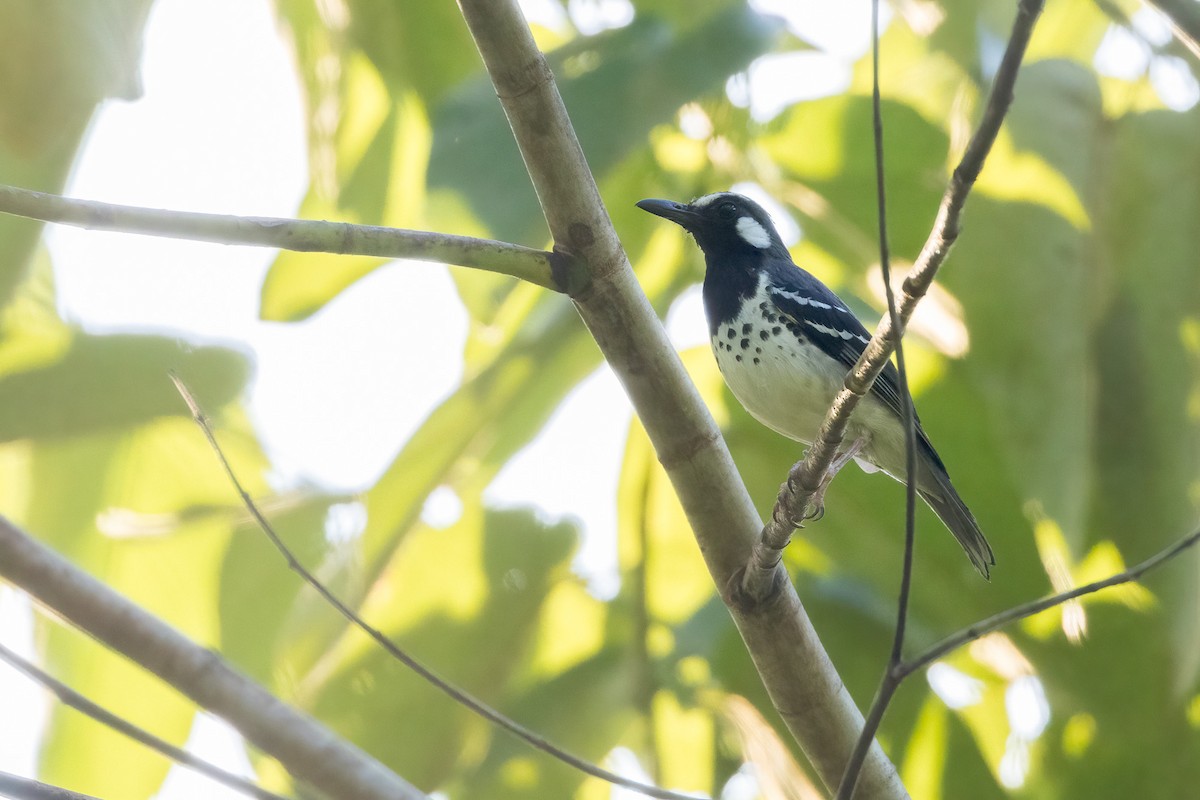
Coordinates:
[784,342]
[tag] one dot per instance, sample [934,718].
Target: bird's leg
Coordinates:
[815,508]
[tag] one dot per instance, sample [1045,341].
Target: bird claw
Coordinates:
[813,512]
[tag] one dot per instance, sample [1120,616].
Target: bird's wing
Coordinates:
[826,322]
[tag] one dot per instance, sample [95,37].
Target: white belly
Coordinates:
[788,384]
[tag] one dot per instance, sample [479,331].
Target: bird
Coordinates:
[784,342]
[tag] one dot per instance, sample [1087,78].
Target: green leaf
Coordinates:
[58,59]
[584,710]
[1148,362]
[602,78]
[143,524]
[106,382]
[472,597]
[258,591]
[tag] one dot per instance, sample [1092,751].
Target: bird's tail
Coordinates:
[953,512]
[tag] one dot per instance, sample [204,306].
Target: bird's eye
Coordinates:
[726,211]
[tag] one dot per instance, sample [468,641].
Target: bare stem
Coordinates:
[777,532]
[306,236]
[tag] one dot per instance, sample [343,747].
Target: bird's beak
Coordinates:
[669,209]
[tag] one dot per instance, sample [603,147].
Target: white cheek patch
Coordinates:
[753,233]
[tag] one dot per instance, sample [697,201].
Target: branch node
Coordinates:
[569,271]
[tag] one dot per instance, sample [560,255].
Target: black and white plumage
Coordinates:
[784,343]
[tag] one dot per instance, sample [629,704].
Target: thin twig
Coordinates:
[17,788]
[305,236]
[73,699]
[887,684]
[776,534]
[910,428]
[997,621]
[450,690]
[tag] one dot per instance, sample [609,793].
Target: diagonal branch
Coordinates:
[305,749]
[797,673]
[73,699]
[17,788]
[308,236]
[768,551]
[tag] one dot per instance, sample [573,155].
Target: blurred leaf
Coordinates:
[258,591]
[924,766]
[583,710]
[1034,376]
[414,44]
[471,620]
[602,78]
[104,382]
[130,525]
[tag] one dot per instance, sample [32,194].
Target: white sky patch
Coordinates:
[845,32]
[572,469]
[1153,25]
[345,522]
[694,122]
[753,233]
[1028,715]
[547,13]
[779,80]
[687,327]
[742,785]
[593,16]
[1174,82]
[955,688]
[442,508]
[217,743]
[1027,707]
[1121,54]
[26,708]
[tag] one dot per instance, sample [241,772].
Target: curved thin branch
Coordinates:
[795,669]
[305,748]
[887,686]
[73,699]
[768,551]
[305,236]
[396,651]
[997,621]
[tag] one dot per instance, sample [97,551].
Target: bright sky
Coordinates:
[225,134]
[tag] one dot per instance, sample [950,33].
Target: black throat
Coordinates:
[729,281]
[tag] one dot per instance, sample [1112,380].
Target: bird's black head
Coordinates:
[724,224]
